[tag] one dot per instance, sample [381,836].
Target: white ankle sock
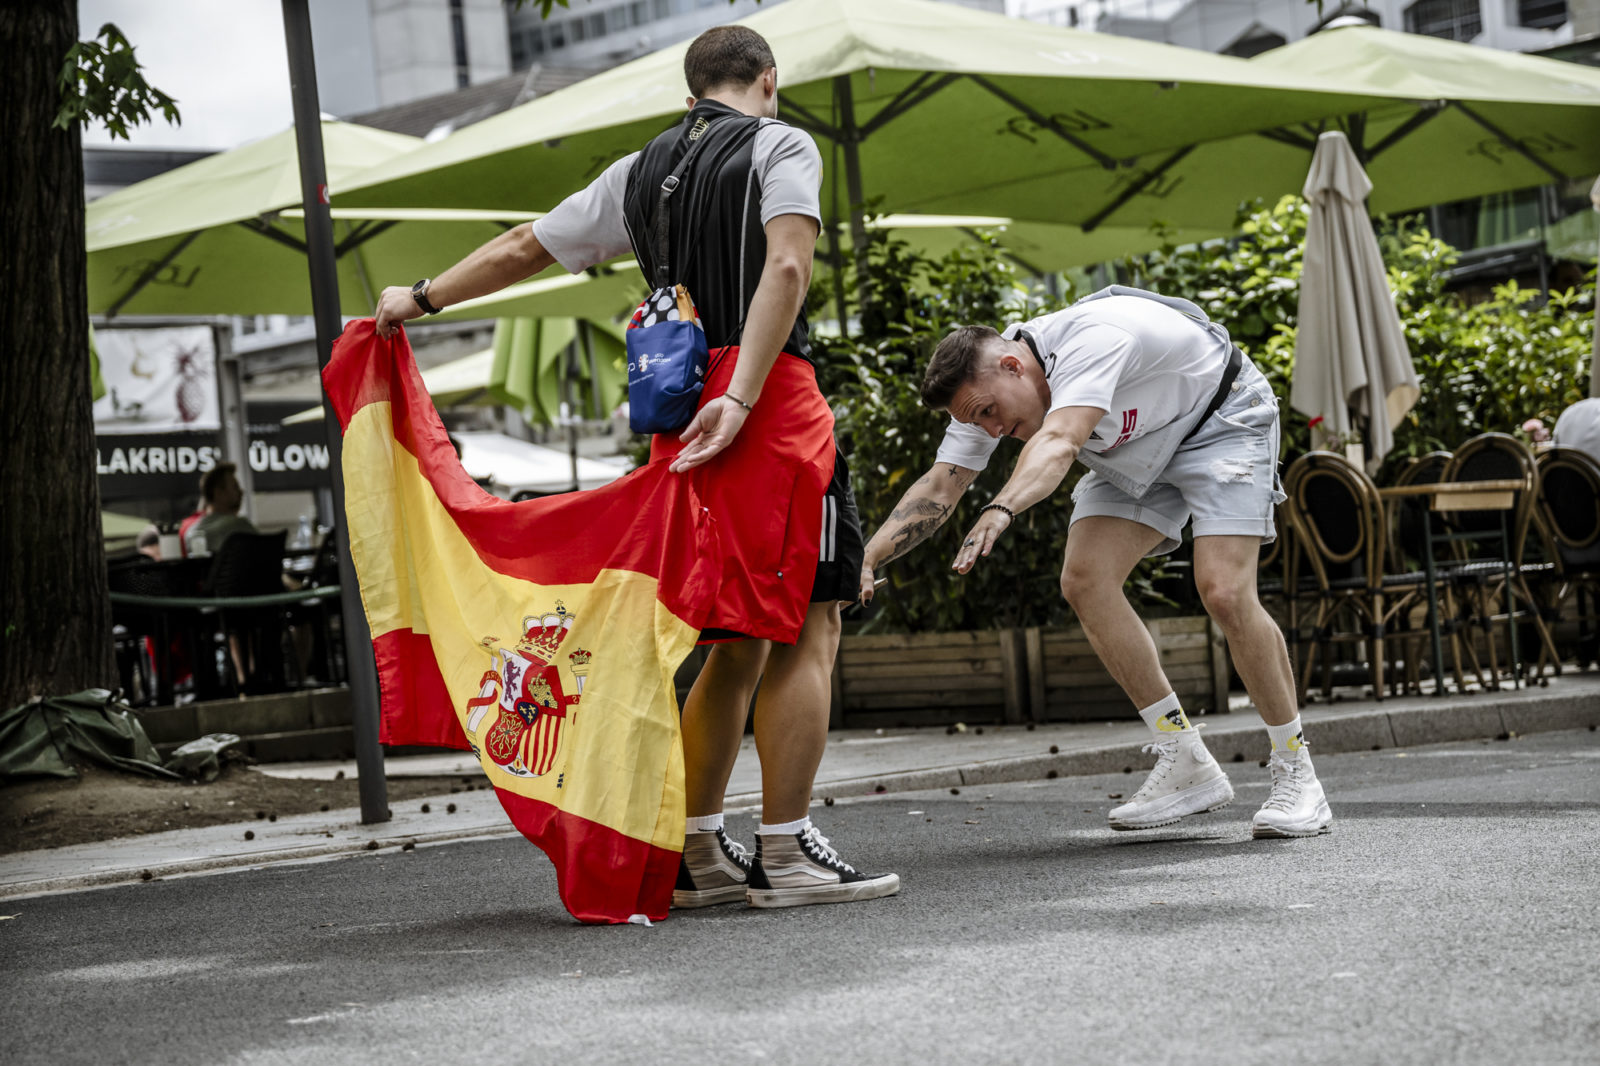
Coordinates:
[705,823]
[1288,737]
[1165,717]
[787,829]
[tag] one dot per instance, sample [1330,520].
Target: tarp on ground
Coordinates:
[52,737]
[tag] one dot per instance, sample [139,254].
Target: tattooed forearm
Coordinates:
[914,506]
[914,533]
[923,509]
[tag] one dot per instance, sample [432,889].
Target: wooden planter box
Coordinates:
[1014,675]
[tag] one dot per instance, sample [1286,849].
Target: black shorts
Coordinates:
[842,551]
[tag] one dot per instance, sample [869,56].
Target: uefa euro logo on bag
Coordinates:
[667,359]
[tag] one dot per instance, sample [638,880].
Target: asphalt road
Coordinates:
[1449,918]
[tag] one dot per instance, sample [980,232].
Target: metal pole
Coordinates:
[852,179]
[230,402]
[325,308]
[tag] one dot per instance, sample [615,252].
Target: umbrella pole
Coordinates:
[852,179]
[362,668]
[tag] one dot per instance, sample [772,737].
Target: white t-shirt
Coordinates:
[1143,363]
[588,227]
[1579,427]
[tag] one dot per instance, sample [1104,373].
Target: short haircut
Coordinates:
[955,362]
[725,55]
[148,536]
[212,480]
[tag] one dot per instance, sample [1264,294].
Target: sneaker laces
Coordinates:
[825,851]
[1288,781]
[734,850]
[1166,753]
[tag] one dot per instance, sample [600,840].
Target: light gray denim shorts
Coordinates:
[1225,477]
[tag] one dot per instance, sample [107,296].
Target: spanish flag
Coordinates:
[543,635]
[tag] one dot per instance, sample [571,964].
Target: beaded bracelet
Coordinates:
[1011,515]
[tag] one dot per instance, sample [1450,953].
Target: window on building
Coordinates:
[1542,14]
[535,39]
[458,37]
[577,31]
[1454,20]
[558,35]
[639,12]
[663,9]
[597,26]
[617,19]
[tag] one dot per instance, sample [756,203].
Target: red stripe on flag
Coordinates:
[603,875]
[409,677]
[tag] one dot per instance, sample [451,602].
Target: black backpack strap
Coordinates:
[662,240]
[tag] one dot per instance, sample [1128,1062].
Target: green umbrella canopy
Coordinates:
[1479,121]
[532,356]
[952,111]
[222,235]
[524,369]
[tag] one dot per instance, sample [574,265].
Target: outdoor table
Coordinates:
[197,606]
[1456,496]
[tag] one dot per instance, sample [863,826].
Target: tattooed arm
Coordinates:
[921,511]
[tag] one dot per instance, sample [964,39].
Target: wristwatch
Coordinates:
[419,293]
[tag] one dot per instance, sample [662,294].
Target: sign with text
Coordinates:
[168,465]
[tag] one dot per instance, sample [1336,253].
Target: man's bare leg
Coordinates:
[1101,553]
[713,720]
[1225,573]
[792,715]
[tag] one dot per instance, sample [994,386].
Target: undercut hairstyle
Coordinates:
[955,362]
[212,480]
[725,55]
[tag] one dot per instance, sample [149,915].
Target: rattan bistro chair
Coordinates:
[1340,534]
[1567,516]
[1480,573]
[1407,527]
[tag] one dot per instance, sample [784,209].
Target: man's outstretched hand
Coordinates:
[395,305]
[980,540]
[713,429]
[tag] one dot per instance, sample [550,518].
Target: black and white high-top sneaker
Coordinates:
[793,871]
[713,870]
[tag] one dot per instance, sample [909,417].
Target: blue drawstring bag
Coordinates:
[667,362]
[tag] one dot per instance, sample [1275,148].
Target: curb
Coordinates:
[1336,734]
[1333,732]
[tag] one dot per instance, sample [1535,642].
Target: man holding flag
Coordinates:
[760,530]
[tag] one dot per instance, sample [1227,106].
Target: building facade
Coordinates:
[1249,27]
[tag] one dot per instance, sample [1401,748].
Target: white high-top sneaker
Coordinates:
[1186,780]
[1297,806]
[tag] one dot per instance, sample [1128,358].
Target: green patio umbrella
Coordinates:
[1475,121]
[541,363]
[534,365]
[223,235]
[933,108]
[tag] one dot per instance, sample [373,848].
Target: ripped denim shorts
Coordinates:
[1225,477]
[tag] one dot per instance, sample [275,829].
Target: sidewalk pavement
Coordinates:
[859,763]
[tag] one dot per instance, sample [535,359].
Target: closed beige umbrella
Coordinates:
[1351,363]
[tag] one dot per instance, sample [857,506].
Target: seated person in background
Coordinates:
[221,499]
[149,542]
[1579,427]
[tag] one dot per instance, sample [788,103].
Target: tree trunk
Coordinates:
[55,617]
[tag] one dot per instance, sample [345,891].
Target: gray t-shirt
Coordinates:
[588,227]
